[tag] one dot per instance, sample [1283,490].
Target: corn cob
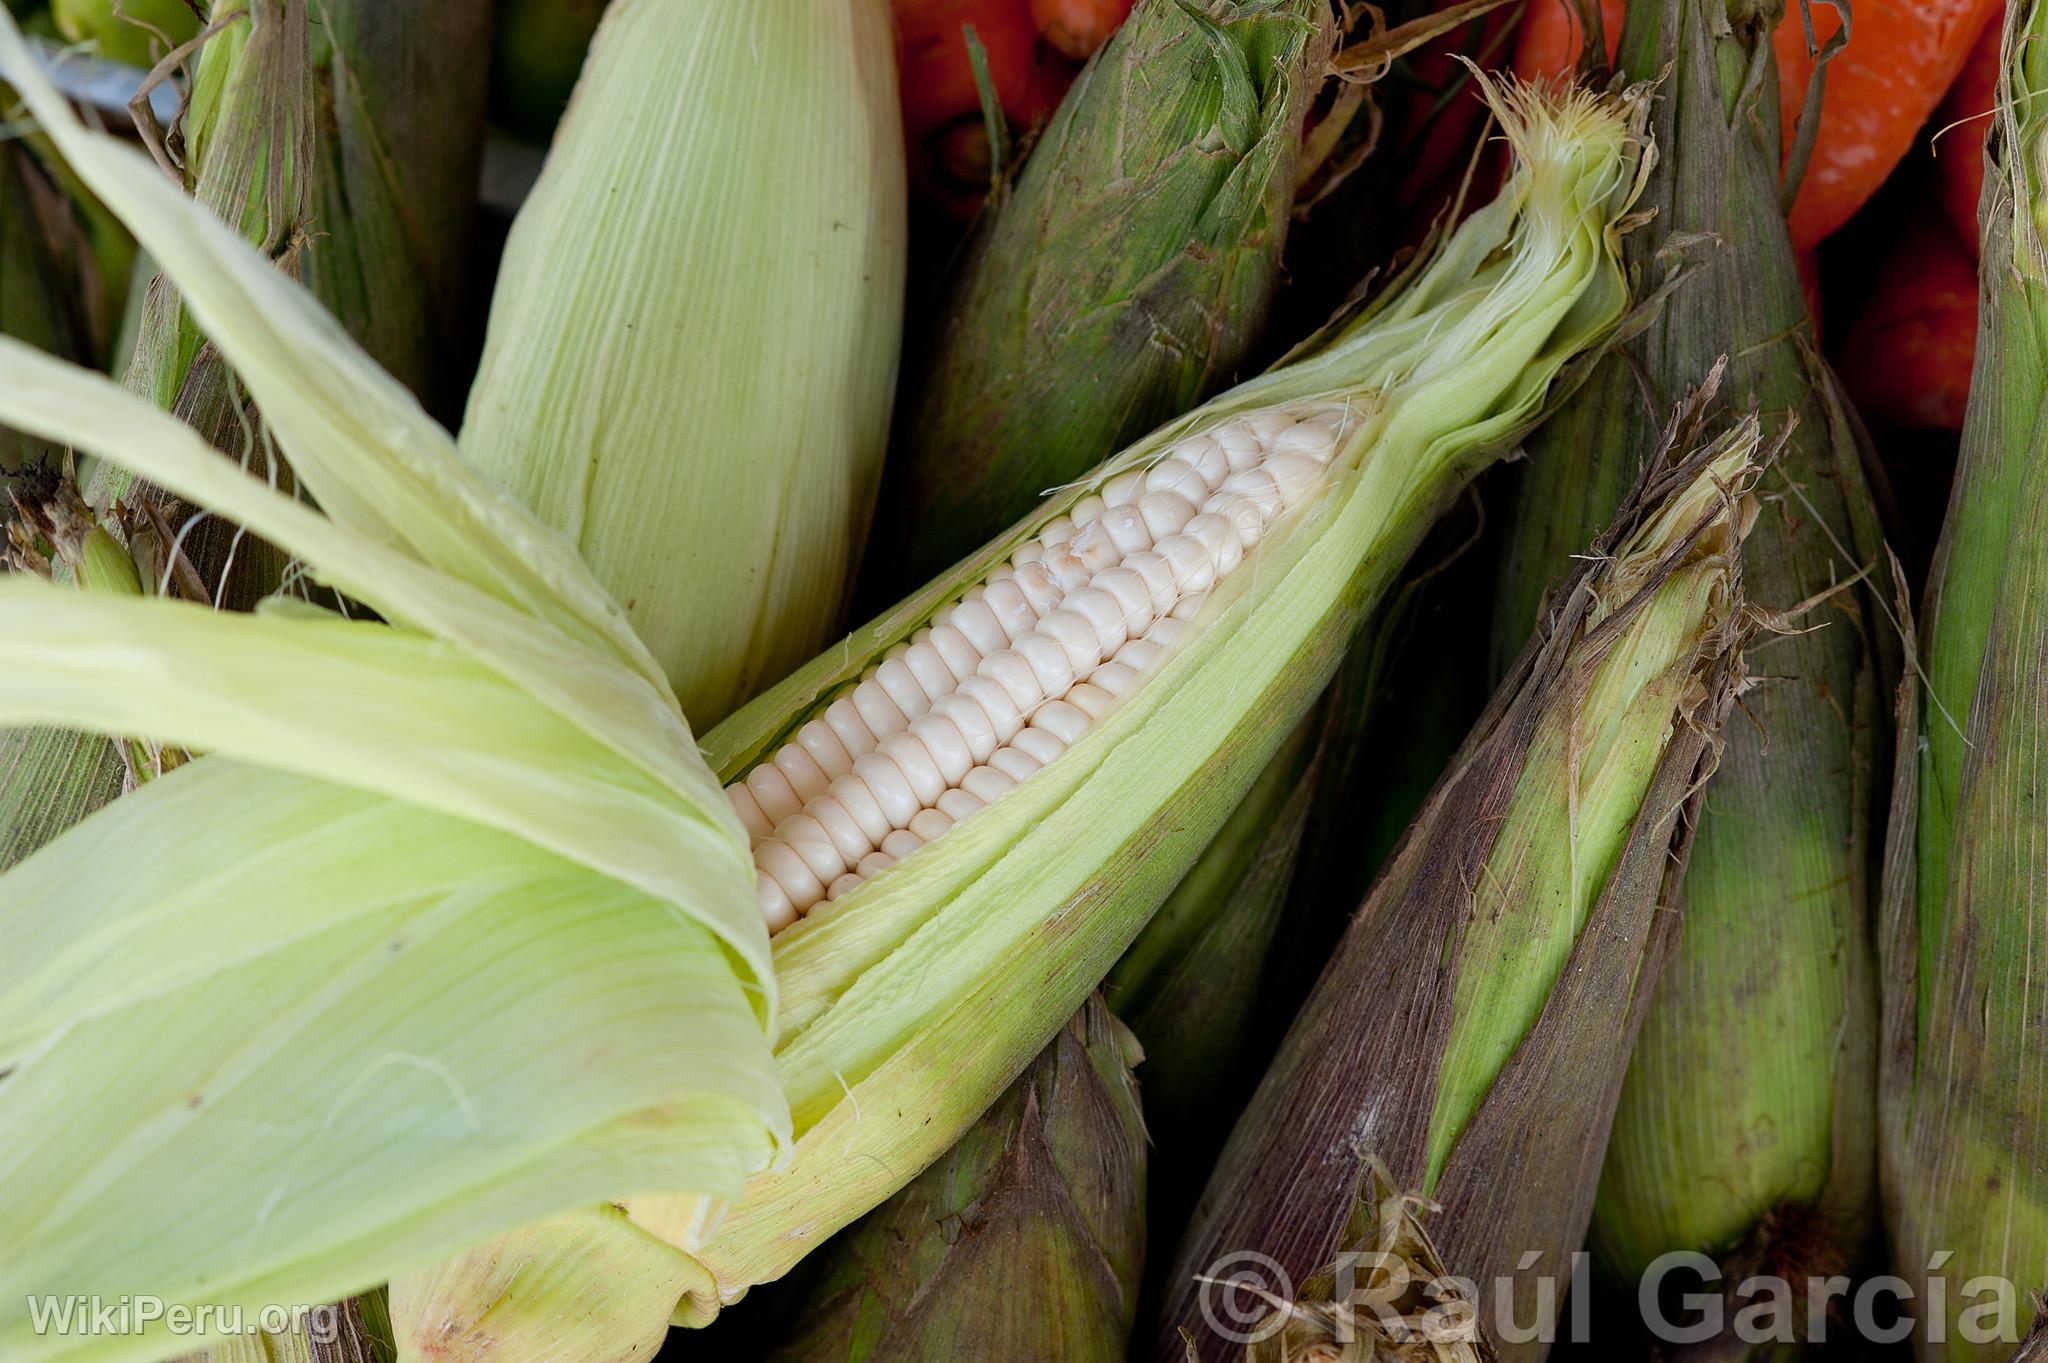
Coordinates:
[1192,191]
[1142,240]
[914,999]
[498,775]
[1044,1194]
[717,275]
[1466,1041]
[1746,1125]
[1965,1200]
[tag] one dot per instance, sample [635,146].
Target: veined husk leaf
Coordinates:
[1049,1189]
[1466,1041]
[1746,1127]
[281,1064]
[911,1003]
[1122,279]
[1961,943]
[692,347]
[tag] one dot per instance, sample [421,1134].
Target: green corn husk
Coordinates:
[1467,1039]
[137,32]
[1124,278]
[712,265]
[1961,947]
[508,871]
[1746,1126]
[398,150]
[1044,1195]
[913,1004]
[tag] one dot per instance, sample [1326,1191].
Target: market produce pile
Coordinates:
[883,680]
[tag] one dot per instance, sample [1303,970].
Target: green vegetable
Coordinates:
[1745,1127]
[1961,943]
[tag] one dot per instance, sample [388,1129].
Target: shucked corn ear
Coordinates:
[912,1001]
[692,346]
[1746,1126]
[272,1026]
[1962,949]
[1466,1041]
[1123,279]
[1023,1241]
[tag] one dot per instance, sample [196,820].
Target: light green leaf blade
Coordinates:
[375,708]
[402,1077]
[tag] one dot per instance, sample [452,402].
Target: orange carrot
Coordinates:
[1078,27]
[1961,125]
[1552,36]
[943,127]
[1901,57]
[1907,360]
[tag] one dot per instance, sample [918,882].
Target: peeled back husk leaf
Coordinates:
[1961,946]
[911,1003]
[692,345]
[1466,1042]
[507,870]
[1023,1240]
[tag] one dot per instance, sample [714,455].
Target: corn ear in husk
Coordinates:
[1123,278]
[499,774]
[1044,1195]
[1466,1042]
[397,150]
[1746,1126]
[692,345]
[1965,1199]
[911,1003]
